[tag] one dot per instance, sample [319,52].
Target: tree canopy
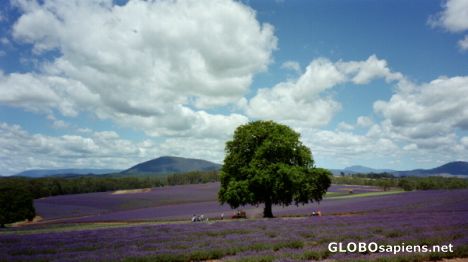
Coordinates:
[267,163]
[16,204]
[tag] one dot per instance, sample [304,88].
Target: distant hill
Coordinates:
[170,164]
[67,172]
[458,168]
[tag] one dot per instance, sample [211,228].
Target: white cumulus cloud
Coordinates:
[305,100]
[20,150]
[426,118]
[463,44]
[364,121]
[292,65]
[434,108]
[454,17]
[157,66]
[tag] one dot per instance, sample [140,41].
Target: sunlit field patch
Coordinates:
[131,191]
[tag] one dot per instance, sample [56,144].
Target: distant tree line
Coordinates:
[195,177]
[387,181]
[53,186]
[426,183]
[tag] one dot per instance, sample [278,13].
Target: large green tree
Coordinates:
[16,203]
[267,163]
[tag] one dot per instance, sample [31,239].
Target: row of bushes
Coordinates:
[387,181]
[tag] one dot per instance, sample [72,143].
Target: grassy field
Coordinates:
[333,195]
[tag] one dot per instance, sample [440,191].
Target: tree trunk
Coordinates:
[267,210]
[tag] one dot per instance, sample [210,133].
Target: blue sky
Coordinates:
[103,85]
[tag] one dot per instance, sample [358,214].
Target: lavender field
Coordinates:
[96,204]
[172,202]
[414,218]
